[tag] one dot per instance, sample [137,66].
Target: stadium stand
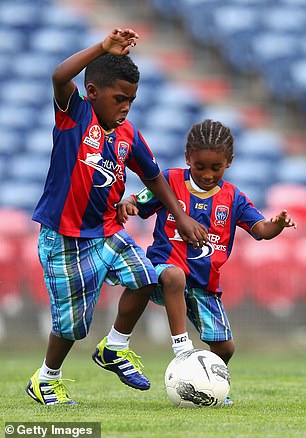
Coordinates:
[33,40]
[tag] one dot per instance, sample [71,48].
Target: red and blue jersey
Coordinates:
[87,173]
[220,210]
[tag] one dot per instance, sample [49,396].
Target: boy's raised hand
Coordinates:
[119,41]
[283,219]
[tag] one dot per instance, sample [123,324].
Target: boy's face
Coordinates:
[112,104]
[207,167]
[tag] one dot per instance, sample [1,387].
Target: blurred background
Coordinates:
[242,62]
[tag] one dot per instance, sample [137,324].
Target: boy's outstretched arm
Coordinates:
[272,228]
[117,42]
[190,230]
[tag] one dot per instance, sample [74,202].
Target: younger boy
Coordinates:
[188,276]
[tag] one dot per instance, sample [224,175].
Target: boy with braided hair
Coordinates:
[188,275]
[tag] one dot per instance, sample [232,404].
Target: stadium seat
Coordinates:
[231,117]
[271,277]
[56,41]
[24,92]
[11,40]
[63,18]
[290,196]
[34,65]
[29,167]
[258,171]
[15,224]
[17,117]
[285,18]
[38,144]
[264,144]
[234,276]
[21,194]
[20,16]
[291,169]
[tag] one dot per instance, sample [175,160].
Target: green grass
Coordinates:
[269,391]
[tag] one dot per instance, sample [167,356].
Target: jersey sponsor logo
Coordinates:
[170,216]
[144,196]
[92,143]
[123,150]
[214,240]
[93,160]
[200,206]
[221,215]
[207,249]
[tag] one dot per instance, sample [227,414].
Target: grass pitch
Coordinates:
[269,391]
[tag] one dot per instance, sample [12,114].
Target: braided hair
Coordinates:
[211,135]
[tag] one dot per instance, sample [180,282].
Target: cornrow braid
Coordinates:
[211,135]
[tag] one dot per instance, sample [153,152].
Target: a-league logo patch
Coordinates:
[221,215]
[123,149]
[95,132]
[94,136]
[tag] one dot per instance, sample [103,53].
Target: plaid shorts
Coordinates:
[204,309]
[75,269]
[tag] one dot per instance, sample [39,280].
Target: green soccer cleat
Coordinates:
[48,392]
[125,363]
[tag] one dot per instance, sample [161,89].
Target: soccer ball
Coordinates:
[197,378]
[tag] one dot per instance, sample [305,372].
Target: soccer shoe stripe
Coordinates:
[131,371]
[125,365]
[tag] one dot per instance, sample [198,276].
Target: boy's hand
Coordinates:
[119,41]
[283,219]
[126,208]
[192,231]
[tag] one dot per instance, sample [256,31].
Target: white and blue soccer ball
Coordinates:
[197,378]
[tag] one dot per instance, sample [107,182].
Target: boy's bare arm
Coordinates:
[272,228]
[117,42]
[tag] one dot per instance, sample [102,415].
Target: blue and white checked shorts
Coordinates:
[204,309]
[75,269]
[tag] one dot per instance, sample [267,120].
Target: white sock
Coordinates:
[116,340]
[181,343]
[46,373]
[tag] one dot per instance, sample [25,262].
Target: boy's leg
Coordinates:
[131,306]
[173,282]
[132,269]
[172,287]
[57,350]
[113,352]
[224,349]
[205,310]
[70,285]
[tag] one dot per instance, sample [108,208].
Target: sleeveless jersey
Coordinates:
[87,173]
[220,210]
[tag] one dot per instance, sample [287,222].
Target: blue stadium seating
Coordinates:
[42,36]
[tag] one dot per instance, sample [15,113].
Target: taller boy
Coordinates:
[81,243]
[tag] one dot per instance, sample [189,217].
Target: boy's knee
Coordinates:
[173,277]
[224,349]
